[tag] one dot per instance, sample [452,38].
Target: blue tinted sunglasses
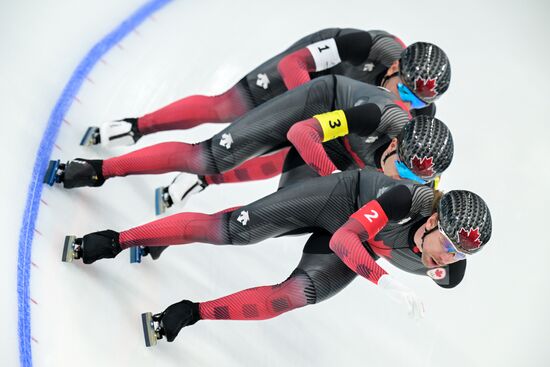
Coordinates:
[405,172]
[449,246]
[408,96]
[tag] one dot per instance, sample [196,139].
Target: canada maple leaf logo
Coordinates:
[425,87]
[422,166]
[469,239]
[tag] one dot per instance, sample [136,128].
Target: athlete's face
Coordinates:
[387,161]
[434,252]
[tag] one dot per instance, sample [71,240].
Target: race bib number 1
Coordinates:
[334,124]
[325,54]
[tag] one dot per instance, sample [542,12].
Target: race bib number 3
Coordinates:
[334,124]
[325,54]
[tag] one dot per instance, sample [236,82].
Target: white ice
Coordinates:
[89,315]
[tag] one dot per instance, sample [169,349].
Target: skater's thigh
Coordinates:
[267,125]
[328,274]
[284,211]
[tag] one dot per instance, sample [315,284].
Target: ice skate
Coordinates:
[54,172]
[169,323]
[71,249]
[111,134]
[91,247]
[76,173]
[178,192]
[91,136]
[136,253]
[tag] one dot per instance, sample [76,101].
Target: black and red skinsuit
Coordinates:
[363,55]
[339,249]
[373,113]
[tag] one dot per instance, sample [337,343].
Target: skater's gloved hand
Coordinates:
[100,245]
[402,294]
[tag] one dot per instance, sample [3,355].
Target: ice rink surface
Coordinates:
[89,315]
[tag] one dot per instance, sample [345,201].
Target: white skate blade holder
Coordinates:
[116,134]
[68,249]
[149,332]
[183,186]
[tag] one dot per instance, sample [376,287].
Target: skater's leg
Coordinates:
[259,303]
[195,110]
[319,275]
[162,158]
[326,204]
[259,168]
[185,185]
[289,209]
[180,228]
[256,133]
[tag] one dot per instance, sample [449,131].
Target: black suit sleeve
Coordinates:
[363,119]
[354,47]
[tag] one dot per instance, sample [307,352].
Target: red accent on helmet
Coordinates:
[469,239]
[422,166]
[425,87]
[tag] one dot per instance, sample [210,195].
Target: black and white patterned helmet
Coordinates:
[425,146]
[425,69]
[465,219]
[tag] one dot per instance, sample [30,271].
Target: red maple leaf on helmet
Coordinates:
[425,87]
[469,240]
[422,166]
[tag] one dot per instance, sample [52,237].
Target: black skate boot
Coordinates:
[92,247]
[116,133]
[76,173]
[169,323]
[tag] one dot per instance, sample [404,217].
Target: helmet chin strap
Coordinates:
[427,232]
[388,155]
[388,77]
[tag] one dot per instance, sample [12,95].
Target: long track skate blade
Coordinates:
[49,176]
[135,254]
[148,329]
[160,206]
[68,249]
[90,136]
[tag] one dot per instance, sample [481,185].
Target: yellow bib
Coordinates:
[334,124]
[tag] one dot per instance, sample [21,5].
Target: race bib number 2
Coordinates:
[334,124]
